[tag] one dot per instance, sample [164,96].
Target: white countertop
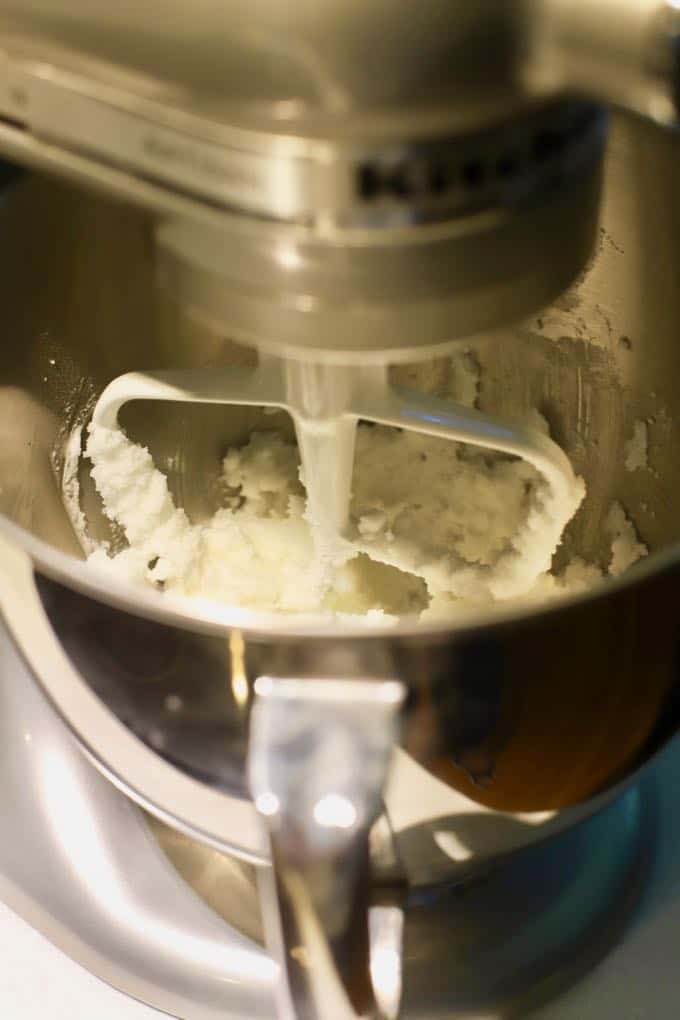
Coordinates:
[640,981]
[38,981]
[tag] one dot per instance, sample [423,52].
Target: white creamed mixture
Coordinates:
[438,527]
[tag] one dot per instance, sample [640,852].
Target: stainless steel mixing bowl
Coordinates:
[520,710]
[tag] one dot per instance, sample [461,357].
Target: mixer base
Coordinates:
[530,928]
[502,943]
[78,862]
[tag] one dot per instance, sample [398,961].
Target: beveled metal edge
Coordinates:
[55,96]
[223,821]
[219,620]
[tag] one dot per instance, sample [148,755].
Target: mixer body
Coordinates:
[483,715]
[537,712]
[288,197]
[313,206]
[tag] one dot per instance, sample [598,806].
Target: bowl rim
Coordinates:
[214,817]
[211,618]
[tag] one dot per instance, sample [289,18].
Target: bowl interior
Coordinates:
[79,305]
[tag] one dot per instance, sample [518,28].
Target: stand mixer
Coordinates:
[347,189]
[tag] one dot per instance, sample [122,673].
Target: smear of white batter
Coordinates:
[626,548]
[636,448]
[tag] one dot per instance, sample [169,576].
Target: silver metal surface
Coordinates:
[498,246]
[400,254]
[523,932]
[115,125]
[610,339]
[312,71]
[622,51]
[432,217]
[318,761]
[280,210]
[603,357]
[78,862]
[309,69]
[221,817]
[363,182]
[471,128]
[386,296]
[107,295]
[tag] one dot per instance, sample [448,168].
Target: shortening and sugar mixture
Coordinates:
[436,526]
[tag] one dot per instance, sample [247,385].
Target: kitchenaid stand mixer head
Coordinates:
[346,185]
